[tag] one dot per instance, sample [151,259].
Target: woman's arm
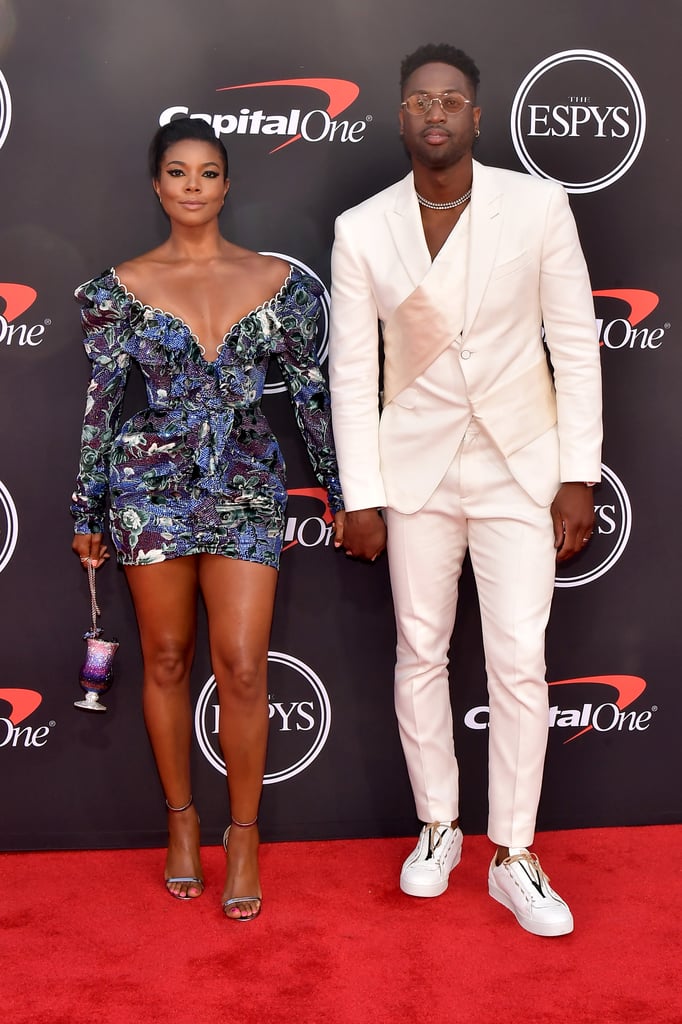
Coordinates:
[103,326]
[309,393]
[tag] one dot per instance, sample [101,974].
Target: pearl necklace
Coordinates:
[443,206]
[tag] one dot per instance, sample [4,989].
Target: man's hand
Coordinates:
[573,516]
[364,534]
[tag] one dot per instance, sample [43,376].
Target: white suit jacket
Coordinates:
[526,272]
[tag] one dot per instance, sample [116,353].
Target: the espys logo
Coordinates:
[298,122]
[613,523]
[15,300]
[9,526]
[622,332]
[300,719]
[302,528]
[5,109]
[578,118]
[22,703]
[595,713]
[277,386]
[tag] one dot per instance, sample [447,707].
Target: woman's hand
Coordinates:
[89,548]
[339,520]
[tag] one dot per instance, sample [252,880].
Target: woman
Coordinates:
[196,481]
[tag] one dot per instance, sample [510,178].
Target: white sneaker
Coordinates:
[427,869]
[520,885]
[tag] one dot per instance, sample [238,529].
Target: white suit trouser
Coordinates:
[510,538]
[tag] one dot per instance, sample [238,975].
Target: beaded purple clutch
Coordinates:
[96,674]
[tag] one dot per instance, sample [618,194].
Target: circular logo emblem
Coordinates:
[5,109]
[613,522]
[9,526]
[276,387]
[578,118]
[300,719]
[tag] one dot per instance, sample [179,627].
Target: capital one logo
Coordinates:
[302,528]
[608,708]
[15,300]
[5,109]
[624,332]
[613,523]
[300,719]
[292,113]
[578,118]
[9,526]
[22,704]
[277,386]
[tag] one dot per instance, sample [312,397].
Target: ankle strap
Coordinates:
[184,806]
[244,824]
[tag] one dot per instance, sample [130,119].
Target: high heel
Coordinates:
[191,879]
[237,900]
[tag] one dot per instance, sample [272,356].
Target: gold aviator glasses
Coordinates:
[419,103]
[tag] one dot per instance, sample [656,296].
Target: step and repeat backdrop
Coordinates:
[305,97]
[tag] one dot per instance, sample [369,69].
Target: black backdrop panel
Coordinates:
[306,95]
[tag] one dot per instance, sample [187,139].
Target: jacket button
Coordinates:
[466,353]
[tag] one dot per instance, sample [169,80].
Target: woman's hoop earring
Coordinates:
[477,133]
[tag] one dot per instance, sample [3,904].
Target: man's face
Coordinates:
[437,139]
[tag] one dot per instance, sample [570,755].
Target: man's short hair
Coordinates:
[439,53]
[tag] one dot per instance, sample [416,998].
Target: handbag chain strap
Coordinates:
[93,598]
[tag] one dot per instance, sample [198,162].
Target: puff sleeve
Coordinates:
[103,324]
[298,314]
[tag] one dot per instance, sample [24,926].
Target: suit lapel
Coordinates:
[486,224]
[405,226]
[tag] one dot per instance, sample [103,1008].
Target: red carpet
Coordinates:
[93,937]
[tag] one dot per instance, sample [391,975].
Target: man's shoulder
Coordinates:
[374,205]
[507,180]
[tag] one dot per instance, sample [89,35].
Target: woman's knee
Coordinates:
[244,680]
[168,665]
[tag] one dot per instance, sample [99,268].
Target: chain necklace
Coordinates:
[443,206]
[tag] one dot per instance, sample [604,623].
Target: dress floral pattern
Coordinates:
[199,469]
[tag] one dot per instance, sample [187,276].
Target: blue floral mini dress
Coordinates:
[198,470]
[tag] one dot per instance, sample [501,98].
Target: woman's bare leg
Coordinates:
[239,600]
[165,597]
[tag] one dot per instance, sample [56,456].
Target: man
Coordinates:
[476,442]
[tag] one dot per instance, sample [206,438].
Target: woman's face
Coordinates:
[191,184]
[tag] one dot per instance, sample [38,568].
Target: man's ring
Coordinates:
[85,558]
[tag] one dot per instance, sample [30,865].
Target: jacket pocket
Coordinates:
[510,266]
[405,399]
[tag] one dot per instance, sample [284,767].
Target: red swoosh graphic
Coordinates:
[18,298]
[641,302]
[318,494]
[23,703]
[340,93]
[628,688]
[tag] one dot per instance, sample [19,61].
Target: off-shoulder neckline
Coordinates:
[267,304]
